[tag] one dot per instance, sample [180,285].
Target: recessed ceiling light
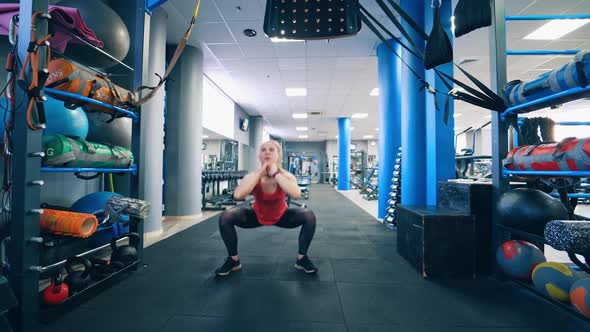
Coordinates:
[489,116]
[377,129]
[456,115]
[373,143]
[556,29]
[351,128]
[368,136]
[284,40]
[336,136]
[205,136]
[250,32]
[374,92]
[299,115]
[296,92]
[303,136]
[359,115]
[301,128]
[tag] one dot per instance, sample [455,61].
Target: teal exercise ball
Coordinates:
[65,121]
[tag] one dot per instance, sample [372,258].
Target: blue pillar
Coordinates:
[343,153]
[413,115]
[440,153]
[389,74]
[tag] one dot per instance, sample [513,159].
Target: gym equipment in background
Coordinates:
[580,296]
[77,280]
[76,152]
[370,191]
[395,193]
[570,154]
[471,15]
[68,223]
[63,120]
[518,258]
[108,27]
[554,280]
[213,198]
[529,210]
[571,236]
[311,19]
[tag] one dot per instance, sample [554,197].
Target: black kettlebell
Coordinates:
[126,254]
[77,280]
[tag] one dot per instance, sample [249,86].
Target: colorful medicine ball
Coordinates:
[554,280]
[518,258]
[580,296]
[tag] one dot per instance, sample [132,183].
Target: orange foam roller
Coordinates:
[68,223]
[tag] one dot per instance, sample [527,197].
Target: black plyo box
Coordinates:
[474,198]
[438,242]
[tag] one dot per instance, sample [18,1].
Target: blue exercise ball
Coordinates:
[65,121]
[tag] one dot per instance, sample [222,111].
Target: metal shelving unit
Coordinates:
[26,243]
[500,127]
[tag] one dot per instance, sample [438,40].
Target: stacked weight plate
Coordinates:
[395,193]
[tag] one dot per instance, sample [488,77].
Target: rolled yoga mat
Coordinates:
[68,223]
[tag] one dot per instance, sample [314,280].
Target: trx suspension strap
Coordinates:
[175,57]
[485,98]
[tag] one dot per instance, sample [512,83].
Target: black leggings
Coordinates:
[245,217]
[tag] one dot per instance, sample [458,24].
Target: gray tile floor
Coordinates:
[362,285]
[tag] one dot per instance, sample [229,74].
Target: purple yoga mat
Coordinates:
[64,17]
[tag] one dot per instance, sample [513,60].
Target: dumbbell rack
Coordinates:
[395,193]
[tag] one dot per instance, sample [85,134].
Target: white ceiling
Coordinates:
[339,74]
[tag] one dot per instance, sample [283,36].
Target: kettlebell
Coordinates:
[102,268]
[125,254]
[77,280]
[57,292]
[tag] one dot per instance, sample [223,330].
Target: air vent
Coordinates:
[468,61]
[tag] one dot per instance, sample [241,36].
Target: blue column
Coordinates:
[389,74]
[343,153]
[413,115]
[440,153]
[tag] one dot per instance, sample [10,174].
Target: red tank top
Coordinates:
[269,207]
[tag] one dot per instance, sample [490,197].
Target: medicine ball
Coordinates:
[109,29]
[518,258]
[554,280]
[529,210]
[580,296]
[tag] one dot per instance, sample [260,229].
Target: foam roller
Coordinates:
[569,235]
[68,223]
[130,206]
[572,236]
